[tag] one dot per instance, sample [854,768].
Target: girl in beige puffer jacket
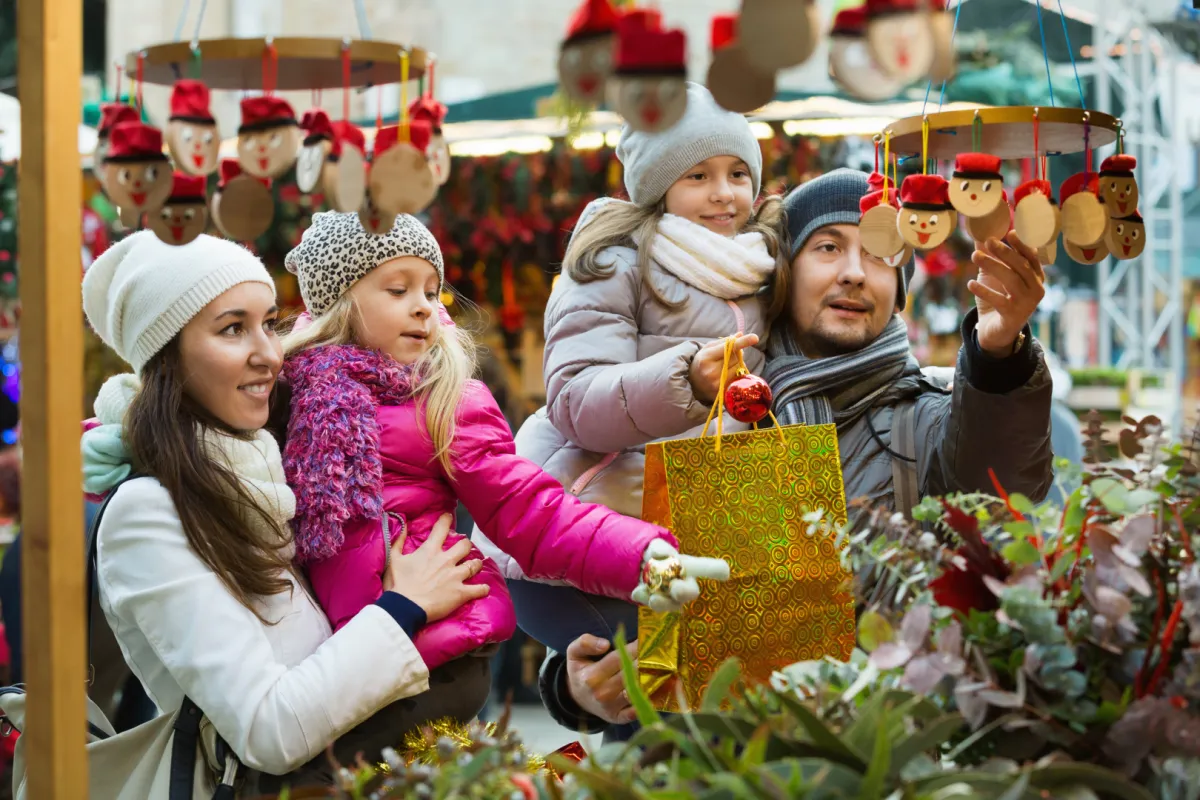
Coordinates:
[635,329]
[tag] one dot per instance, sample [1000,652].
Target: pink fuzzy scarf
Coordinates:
[332,457]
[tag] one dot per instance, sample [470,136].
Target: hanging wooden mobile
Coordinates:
[400,181]
[852,63]
[585,55]
[317,144]
[901,36]
[192,135]
[269,136]
[242,206]
[426,108]
[878,228]
[734,82]
[648,86]
[137,171]
[785,33]
[344,178]
[184,215]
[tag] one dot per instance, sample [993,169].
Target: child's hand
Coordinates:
[431,576]
[669,578]
[705,375]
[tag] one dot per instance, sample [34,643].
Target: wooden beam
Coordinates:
[50,62]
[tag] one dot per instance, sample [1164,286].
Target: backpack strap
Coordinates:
[905,484]
[92,537]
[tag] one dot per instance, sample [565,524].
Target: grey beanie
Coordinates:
[654,161]
[832,199]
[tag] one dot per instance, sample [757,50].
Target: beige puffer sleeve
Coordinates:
[598,394]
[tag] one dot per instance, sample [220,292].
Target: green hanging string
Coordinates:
[196,63]
[1120,139]
[421,85]
[977,134]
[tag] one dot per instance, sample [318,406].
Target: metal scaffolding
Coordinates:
[1141,313]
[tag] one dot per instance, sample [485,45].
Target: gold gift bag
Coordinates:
[742,497]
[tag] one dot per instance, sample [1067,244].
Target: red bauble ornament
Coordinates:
[748,398]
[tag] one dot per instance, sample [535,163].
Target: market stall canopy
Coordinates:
[10,131]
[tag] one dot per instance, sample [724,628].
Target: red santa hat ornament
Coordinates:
[191,134]
[317,144]
[878,231]
[242,206]
[344,177]
[1036,216]
[1084,217]
[926,217]
[1126,237]
[136,170]
[184,215]
[401,181]
[900,35]
[977,185]
[648,85]
[780,33]
[585,55]
[110,115]
[426,109]
[734,82]
[1118,186]
[269,137]
[851,62]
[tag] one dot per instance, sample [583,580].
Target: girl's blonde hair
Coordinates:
[440,375]
[624,224]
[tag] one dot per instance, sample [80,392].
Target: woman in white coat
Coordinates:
[194,559]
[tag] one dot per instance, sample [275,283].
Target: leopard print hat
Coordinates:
[336,251]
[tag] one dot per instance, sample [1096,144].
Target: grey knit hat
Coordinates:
[832,199]
[654,161]
[336,251]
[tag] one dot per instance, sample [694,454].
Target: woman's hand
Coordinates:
[597,686]
[705,374]
[673,577]
[431,576]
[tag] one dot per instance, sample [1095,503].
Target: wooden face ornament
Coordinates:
[926,217]
[585,55]
[977,185]
[401,181]
[1118,186]
[344,178]
[185,214]
[1084,217]
[783,33]
[901,37]
[994,225]
[269,136]
[851,63]
[1036,216]
[426,109]
[1126,237]
[734,82]
[111,114]
[877,229]
[1092,254]
[242,206]
[648,86]
[137,171]
[318,142]
[192,135]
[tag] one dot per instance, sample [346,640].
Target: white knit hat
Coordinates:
[141,292]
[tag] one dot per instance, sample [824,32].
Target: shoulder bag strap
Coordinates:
[905,487]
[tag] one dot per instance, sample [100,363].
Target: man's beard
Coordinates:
[821,343]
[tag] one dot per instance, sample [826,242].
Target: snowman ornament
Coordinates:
[269,136]
[648,86]
[184,215]
[585,56]
[136,170]
[192,135]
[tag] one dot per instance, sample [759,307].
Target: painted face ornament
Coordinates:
[318,142]
[1036,216]
[585,56]
[1092,254]
[784,33]
[192,135]
[1126,237]
[994,225]
[901,37]
[111,114]
[426,109]
[344,177]
[1118,186]
[977,185]
[242,206]
[1084,217]
[269,136]
[400,179]
[926,217]
[735,84]
[878,231]
[185,214]
[851,62]
[648,85]
[137,171]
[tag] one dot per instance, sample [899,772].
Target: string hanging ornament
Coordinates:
[648,85]
[977,185]
[852,63]
[878,228]
[1126,233]
[1035,216]
[111,114]
[137,173]
[1084,217]
[735,83]
[269,137]
[926,217]
[242,205]
[192,135]
[344,174]
[400,181]
[184,214]
[585,56]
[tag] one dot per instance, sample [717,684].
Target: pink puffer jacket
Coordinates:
[357,447]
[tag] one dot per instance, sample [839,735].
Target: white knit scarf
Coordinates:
[721,266]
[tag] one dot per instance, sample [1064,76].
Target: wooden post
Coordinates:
[50,62]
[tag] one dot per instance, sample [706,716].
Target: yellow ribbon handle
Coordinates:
[718,407]
[887,145]
[925,146]
[404,131]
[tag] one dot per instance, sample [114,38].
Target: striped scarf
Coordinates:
[840,389]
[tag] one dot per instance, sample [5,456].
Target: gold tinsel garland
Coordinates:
[420,745]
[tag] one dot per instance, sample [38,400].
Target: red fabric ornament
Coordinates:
[977,165]
[592,18]
[875,198]
[188,188]
[850,22]
[1029,187]
[876,180]
[925,192]
[346,133]
[265,111]
[190,102]
[426,109]
[112,114]
[646,19]
[1121,164]
[420,132]
[649,51]
[316,126]
[135,141]
[1077,183]
[748,398]
[724,31]
[230,169]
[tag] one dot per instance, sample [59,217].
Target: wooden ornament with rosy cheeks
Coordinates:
[1090,255]
[374,221]
[1126,237]
[648,86]
[1118,186]
[977,185]
[900,35]
[111,115]
[269,136]
[852,64]
[1035,215]
[318,142]
[242,206]
[994,225]
[926,218]
[426,109]
[877,229]
[400,181]
[734,82]
[585,57]
[192,135]
[185,214]
[1084,217]
[344,178]
[137,171]
[779,33]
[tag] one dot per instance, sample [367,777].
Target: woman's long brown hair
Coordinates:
[163,432]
